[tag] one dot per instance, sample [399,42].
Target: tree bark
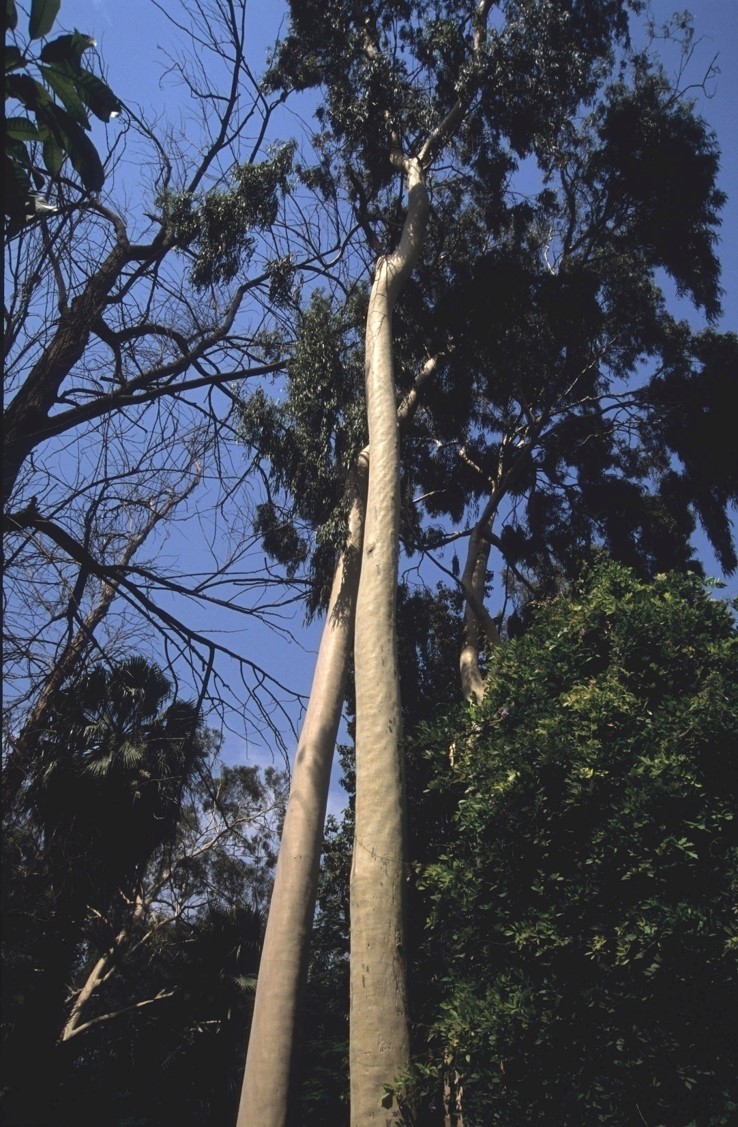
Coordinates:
[269,1076]
[479,627]
[379,1033]
[265,1096]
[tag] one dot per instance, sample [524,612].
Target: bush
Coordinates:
[582,916]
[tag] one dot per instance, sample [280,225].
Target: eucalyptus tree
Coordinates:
[558,373]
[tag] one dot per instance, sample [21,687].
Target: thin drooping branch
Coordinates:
[127,942]
[93,1021]
[144,390]
[155,613]
[68,661]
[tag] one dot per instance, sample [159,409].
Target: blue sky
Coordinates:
[133,37]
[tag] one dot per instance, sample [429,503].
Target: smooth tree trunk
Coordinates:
[270,1060]
[479,627]
[379,1032]
[268,1088]
[376,1059]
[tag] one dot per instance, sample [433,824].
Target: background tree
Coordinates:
[129,856]
[536,416]
[126,326]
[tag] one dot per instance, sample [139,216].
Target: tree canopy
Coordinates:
[557,404]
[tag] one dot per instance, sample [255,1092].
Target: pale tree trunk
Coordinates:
[479,627]
[265,1095]
[267,1092]
[379,1032]
[94,979]
[453,1093]
[379,1045]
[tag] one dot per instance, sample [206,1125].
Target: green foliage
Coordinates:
[216,228]
[126,844]
[649,138]
[562,317]
[309,440]
[542,61]
[112,767]
[60,94]
[581,908]
[689,415]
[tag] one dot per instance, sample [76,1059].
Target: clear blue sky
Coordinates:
[132,33]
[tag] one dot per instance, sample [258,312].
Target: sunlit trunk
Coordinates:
[268,1078]
[479,628]
[379,1032]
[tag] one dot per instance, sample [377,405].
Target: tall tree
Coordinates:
[538,317]
[376,98]
[380,1035]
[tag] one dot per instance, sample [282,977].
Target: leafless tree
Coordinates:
[129,320]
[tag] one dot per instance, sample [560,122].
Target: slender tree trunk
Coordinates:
[269,1077]
[98,975]
[453,1093]
[479,627]
[265,1097]
[379,1033]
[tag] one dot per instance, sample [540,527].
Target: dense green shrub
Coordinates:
[582,915]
